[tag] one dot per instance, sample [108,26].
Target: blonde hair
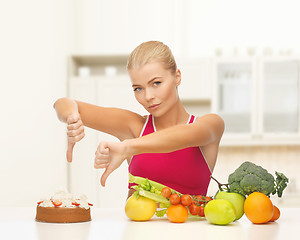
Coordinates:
[151,51]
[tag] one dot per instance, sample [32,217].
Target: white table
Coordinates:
[19,223]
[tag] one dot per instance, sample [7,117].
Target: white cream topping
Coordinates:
[67,199]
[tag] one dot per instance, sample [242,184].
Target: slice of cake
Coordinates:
[63,207]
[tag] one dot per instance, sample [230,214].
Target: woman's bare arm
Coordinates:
[114,121]
[206,131]
[117,122]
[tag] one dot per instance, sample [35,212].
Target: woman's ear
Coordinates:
[178,77]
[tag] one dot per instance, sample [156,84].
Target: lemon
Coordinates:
[141,209]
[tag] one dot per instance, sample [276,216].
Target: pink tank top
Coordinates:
[184,170]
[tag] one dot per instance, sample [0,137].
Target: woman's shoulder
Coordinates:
[137,124]
[209,117]
[213,120]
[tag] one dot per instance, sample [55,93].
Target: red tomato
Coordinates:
[174,199]
[186,200]
[201,212]
[201,199]
[194,209]
[166,192]
[90,204]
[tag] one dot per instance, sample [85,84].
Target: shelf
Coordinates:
[97,65]
[192,101]
[240,142]
[99,59]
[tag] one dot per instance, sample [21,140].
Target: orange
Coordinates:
[258,208]
[177,213]
[276,214]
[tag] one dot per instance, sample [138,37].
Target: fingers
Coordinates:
[102,156]
[104,176]
[76,138]
[73,118]
[102,161]
[75,133]
[70,151]
[75,129]
[103,148]
[75,126]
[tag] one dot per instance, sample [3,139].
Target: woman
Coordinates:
[169,146]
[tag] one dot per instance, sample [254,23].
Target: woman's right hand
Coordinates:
[75,133]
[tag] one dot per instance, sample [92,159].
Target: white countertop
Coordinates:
[111,223]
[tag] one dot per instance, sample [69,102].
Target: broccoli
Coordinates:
[249,178]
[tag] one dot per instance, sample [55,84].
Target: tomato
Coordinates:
[177,213]
[186,200]
[141,209]
[207,199]
[201,199]
[201,212]
[174,199]
[166,192]
[194,209]
[90,204]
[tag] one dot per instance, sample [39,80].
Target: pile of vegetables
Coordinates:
[167,197]
[249,178]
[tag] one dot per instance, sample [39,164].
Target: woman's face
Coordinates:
[155,87]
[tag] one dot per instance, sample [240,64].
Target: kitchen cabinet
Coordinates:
[258,98]
[279,96]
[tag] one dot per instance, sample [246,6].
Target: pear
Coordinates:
[236,199]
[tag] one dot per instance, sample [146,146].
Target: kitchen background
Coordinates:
[239,59]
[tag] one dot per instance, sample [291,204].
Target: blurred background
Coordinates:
[239,59]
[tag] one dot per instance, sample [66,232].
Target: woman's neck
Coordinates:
[176,115]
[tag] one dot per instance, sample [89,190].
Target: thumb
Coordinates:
[105,175]
[70,151]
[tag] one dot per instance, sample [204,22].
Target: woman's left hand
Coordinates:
[109,155]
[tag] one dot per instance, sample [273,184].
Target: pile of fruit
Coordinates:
[184,204]
[250,197]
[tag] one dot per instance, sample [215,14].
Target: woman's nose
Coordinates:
[149,94]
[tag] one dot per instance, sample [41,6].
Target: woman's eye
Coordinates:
[137,89]
[156,83]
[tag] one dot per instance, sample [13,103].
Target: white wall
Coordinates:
[118,26]
[239,24]
[33,57]
[190,28]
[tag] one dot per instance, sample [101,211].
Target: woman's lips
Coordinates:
[154,106]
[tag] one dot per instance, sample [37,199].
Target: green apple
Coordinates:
[236,199]
[219,211]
